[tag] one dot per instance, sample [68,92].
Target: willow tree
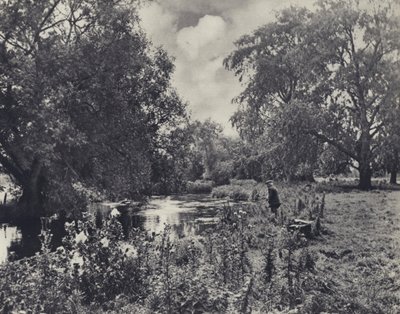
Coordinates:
[84,99]
[329,71]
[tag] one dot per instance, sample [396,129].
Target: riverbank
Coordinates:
[249,261]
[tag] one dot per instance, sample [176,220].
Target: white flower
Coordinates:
[105,242]
[81,237]
[77,259]
[115,213]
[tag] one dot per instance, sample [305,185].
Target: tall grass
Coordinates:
[250,262]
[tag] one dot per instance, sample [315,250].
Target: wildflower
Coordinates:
[77,259]
[81,237]
[115,213]
[105,242]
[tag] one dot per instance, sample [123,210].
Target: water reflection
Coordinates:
[8,236]
[21,239]
[187,215]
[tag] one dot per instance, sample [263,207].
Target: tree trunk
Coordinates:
[394,167]
[364,159]
[393,176]
[31,201]
[365,177]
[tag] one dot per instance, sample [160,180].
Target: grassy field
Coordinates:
[359,256]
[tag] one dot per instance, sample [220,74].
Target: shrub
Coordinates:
[234,192]
[245,182]
[248,262]
[222,173]
[199,187]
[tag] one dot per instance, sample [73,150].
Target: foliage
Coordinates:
[327,76]
[222,173]
[249,165]
[205,135]
[84,98]
[247,262]
[211,155]
[199,187]
[174,164]
[233,192]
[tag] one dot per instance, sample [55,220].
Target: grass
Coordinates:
[351,185]
[248,263]
[239,190]
[360,256]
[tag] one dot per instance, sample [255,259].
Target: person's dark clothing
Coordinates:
[273,199]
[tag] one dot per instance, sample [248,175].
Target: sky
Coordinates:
[199,35]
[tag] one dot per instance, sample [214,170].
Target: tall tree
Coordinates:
[389,150]
[84,100]
[205,135]
[339,79]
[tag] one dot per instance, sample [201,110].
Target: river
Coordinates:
[187,215]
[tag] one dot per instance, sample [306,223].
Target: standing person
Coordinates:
[273,197]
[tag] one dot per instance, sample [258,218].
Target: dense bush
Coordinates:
[222,172]
[199,187]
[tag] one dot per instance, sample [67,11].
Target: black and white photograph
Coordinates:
[200,156]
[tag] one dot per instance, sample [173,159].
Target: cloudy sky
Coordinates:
[199,34]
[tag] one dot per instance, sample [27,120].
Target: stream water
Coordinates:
[187,215]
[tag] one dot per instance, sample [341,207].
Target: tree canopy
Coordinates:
[84,99]
[330,73]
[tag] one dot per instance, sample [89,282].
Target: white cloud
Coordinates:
[160,25]
[193,38]
[199,49]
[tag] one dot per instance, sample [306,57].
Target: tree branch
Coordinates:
[376,129]
[332,142]
[41,25]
